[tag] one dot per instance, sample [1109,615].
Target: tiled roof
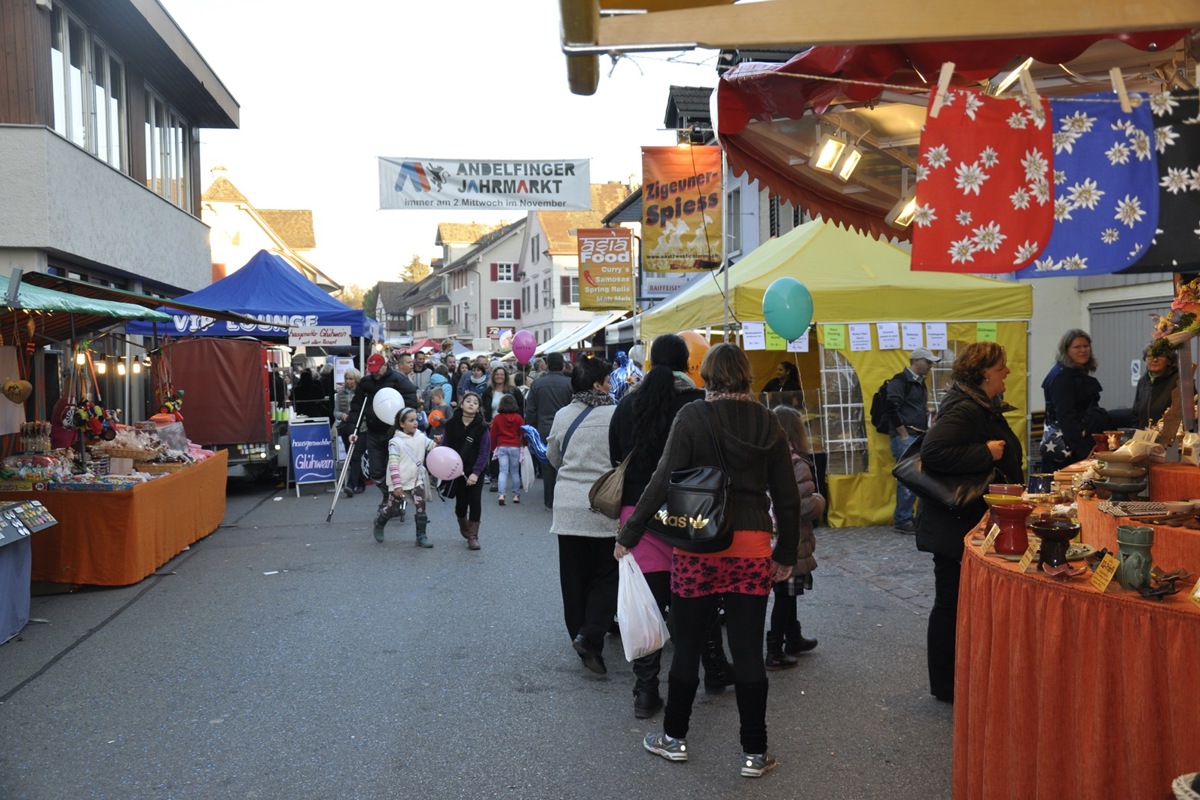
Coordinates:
[223,191]
[428,292]
[487,241]
[294,226]
[392,292]
[558,225]
[462,233]
[688,104]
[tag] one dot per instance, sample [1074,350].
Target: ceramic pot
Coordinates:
[1013,539]
[1056,537]
[1133,551]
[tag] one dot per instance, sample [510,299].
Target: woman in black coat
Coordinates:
[1153,395]
[1073,411]
[970,436]
[787,379]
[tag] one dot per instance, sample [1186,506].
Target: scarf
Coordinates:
[593,398]
[710,396]
[994,404]
[683,377]
[478,385]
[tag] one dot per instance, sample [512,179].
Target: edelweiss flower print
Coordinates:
[1176,243]
[1105,187]
[984,192]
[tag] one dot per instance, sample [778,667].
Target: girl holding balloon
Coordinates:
[405,475]
[467,434]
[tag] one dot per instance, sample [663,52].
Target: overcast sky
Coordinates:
[324,92]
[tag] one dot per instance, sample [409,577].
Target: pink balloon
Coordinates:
[444,463]
[523,345]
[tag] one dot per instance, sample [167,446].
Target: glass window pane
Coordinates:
[99,91]
[116,114]
[76,83]
[58,72]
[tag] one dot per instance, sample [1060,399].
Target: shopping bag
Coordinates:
[643,630]
[527,474]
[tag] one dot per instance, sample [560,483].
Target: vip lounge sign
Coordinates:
[681,209]
[428,183]
[605,268]
[319,336]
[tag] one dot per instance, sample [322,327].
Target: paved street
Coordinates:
[284,657]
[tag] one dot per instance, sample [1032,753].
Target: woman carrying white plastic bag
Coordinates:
[643,630]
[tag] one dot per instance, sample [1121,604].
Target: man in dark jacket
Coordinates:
[908,416]
[547,395]
[373,441]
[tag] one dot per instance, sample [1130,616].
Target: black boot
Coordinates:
[794,642]
[380,521]
[776,658]
[717,671]
[421,520]
[646,699]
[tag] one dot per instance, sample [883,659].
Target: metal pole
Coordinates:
[724,243]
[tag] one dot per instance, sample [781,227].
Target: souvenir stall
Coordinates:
[856,283]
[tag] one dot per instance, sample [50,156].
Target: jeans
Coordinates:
[510,469]
[905,499]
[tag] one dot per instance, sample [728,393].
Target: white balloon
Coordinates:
[386,404]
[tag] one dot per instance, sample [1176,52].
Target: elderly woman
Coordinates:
[1152,397]
[578,449]
[758,459]
[970,436]
[1073,411]
[355,483]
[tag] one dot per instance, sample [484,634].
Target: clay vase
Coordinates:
[1133,551]
[1013,539]
[1056,537]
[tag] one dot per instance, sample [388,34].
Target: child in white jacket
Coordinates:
[406,475]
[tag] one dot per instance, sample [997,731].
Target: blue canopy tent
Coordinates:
[268,289]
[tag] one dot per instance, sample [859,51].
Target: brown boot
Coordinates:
[462,527]
[473,534]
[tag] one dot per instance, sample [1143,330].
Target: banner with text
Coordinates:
[436,184]
[681,209]
[605,269]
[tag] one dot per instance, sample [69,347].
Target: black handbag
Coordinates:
[696,516]
[953,490]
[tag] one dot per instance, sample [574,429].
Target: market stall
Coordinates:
[855,280]
[1064,691]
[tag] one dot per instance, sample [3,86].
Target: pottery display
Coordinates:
[1121,490]
[1013,539]
[1056,535]
[1133,551]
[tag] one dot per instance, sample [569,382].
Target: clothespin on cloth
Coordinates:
[1031,93]
[1118,84]
[939,97]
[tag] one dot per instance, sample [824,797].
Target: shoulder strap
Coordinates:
[712,431]
[574,425]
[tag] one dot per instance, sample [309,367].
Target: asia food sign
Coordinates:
[681,209]
[605,269]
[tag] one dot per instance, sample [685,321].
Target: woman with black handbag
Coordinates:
[970,437]
[748,443]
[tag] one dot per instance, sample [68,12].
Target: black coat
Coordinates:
[1153,396]
[365,391]
[957,444]
[1073,406]
[621,440]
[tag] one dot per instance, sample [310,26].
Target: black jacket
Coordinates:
[957,443]
[1073,406]
[547,395]
[621,440]
[1153,396]
[907,400]
[365,391]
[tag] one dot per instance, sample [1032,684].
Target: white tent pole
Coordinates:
[725,221]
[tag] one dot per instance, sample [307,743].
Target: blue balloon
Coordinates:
[788,307]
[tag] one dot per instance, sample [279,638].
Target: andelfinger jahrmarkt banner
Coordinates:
[531,185]
[681,209]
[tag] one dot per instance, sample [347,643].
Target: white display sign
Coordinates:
[912,334]
[860,337]
[799,345]
[754,336]
[522,185]
[319,336]
[889,335]
[935,336]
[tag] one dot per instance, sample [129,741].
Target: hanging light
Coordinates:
[101,367]
[121,367]
[137,367]
[80,358]
[829,149]
[901,215]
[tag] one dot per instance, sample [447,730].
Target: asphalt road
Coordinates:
[287,657]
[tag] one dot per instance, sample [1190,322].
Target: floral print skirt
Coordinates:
[701,575]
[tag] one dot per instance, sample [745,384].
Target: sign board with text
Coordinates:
[312,454]
[605,269]
[319,336]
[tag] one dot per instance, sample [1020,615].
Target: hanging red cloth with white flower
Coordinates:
[984,191]
[1106,179]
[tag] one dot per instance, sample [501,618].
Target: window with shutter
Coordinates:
[495,273]
[516,309]
[495,308]
[564,290]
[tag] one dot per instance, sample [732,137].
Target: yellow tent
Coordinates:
[856,279]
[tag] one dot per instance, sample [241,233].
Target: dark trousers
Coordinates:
[647,668]
[943,618]
[354,476]
[468,500]
[783,612]
[588,573]
[745,618]
[549,476]
[375,445]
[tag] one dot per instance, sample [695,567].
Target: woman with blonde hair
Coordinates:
[756,454]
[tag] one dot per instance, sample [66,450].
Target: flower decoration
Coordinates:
[1172,330]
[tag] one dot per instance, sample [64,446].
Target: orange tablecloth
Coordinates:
[1173,547]
[118,538]
[1174,481]
[1061,692]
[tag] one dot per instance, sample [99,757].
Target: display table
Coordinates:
[118,538]
[1063,692]
[1174,481]
[1173,547]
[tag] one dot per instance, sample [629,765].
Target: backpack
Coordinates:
[878,410]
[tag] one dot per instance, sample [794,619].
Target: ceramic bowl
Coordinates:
[1121,471]
[1121,487]
[1016,489]
[1002,499]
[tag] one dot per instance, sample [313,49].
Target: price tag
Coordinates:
[1104,573]
[1027,559]
[990,539]
[1195,595]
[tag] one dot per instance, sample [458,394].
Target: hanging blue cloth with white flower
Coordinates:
[1105,188]
[1176,246]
